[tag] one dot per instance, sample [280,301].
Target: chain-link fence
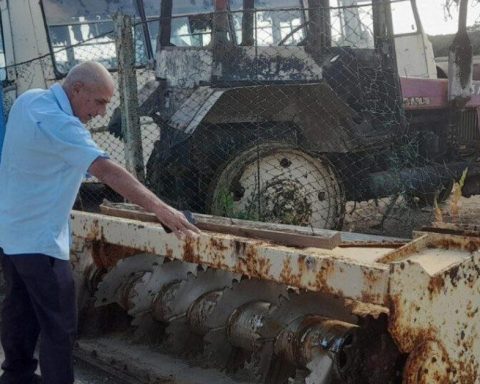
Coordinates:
[282,111]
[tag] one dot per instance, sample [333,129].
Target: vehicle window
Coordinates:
[276,24]
[192,23]
[352,23]
[403,18]
[191,31]
[83,30]
[272,22]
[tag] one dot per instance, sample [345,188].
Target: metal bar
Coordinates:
[345,272]
[128,95]
[248,23]
[165,23]
[146,31]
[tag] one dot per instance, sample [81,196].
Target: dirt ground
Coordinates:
[87,374]
[396,217]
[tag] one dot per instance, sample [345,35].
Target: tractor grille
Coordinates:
[467,129]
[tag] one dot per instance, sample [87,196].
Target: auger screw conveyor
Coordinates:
[226,308]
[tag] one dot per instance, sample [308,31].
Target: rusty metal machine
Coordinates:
[234,308]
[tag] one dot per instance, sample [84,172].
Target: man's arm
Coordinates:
[123,182]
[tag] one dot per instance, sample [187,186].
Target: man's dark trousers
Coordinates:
[40,300]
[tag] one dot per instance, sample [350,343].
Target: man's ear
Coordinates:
[77,86]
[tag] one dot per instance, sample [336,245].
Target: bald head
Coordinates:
[89,72]
[89,87]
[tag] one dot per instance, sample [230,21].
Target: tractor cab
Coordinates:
[245,83]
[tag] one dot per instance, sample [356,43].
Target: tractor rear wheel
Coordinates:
[278,182]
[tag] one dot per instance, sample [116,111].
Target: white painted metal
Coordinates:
[434,293]
[344,273]
[415,56]
[25,36]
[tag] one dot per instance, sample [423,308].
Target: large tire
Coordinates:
[278,182]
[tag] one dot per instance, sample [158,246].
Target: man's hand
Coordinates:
[123,182]
[176,221]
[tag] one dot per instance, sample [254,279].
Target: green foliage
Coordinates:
[226,206]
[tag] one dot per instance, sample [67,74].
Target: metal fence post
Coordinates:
[127,83]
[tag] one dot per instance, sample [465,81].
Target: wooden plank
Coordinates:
[278,237]
[348,238]
[329,240]
[132,212]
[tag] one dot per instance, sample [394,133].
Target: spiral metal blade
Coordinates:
[194,287]
[217,347]
[178,335]
[110,287]
[147,287]
[299,305]
[147,329]
[259,363]
[244,292]
[178,331]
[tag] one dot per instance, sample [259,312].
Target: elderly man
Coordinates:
[46,153]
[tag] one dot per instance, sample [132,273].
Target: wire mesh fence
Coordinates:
[281,111]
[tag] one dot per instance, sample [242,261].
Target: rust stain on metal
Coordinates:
[287,276]
[323,275]
[217,248]
[369,297]
[168,252]
[301,262]
[465,243]
[189,254]
[472,310]
[217,245]
[428,363]
[371,279]
[405,337]
[218,261]
[239,247]
[287,272]
[106,255]
[95,232]
[436,285]
[468,372]
[253,265]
